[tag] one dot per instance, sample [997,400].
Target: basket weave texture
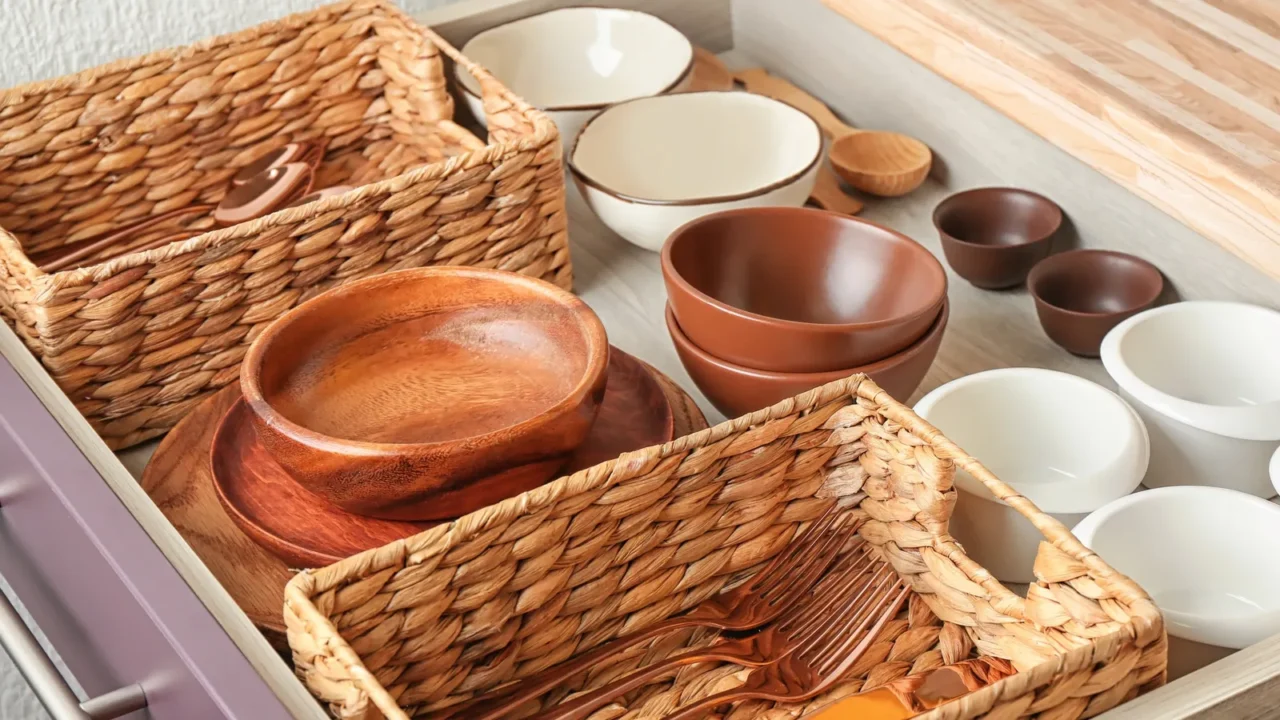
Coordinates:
[138,340]
[461,608]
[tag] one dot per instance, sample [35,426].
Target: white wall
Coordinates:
[48,38]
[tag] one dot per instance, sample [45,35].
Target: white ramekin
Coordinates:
[1066,444]
[1205,377]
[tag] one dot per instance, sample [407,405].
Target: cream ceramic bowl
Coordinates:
[1205,377]
[574,62]
[648,166]
[1066,444]
[1209,557]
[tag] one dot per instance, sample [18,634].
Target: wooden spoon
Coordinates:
[709,72]
[828,195]
[878,162]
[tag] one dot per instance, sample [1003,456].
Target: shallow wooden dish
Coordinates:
[179,480]
[306,531]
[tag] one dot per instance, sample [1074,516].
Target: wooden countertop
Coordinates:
[1176,100]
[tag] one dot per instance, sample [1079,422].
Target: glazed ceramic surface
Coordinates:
[799,290]
[306,531]
[1209,557]
[427,393]
[1066,444]
[735,390]
[992,237]
[648,166]
[1081,294]
[1203,376]
[574,62]
[1275,470]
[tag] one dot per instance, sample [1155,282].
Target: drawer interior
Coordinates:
[872,85]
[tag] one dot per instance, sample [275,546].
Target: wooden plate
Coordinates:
[179,480]
[304,530]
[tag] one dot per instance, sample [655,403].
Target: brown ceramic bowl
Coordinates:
[1080,295]
[992,237]
[799,290]
[429,393]
[735,390]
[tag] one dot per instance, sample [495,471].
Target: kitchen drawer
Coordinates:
[105,596]
[125,599]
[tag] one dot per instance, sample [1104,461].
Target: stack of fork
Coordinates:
[800,624]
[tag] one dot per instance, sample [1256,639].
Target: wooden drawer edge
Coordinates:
[275,673]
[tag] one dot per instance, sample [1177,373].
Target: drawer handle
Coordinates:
[48,684]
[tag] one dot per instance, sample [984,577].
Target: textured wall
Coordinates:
[48,38]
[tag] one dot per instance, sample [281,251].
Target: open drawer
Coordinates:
[126,600]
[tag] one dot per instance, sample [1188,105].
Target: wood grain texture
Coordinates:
[305,531]
[1174,99]
[428,393]
[178,479]
[975,144]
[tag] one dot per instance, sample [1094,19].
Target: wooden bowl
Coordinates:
[992,237]
[305,531]
[1080,295]
[799,290]
[429,393]
[735,390]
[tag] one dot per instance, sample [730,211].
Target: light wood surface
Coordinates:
[1174,99]
[975,144]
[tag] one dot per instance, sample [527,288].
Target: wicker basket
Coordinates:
[138,340]
[428,621]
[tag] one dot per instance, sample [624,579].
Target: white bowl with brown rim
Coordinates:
[648,166]
[573,62]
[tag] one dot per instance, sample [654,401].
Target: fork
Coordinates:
[822,657]
[755,602]
[847,588]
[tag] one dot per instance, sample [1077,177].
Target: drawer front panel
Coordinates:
[104,595]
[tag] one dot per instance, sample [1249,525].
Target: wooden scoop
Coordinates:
[881,163]
[709,72]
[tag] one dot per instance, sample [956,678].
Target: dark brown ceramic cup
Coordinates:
[799,290]
[735,390]
[429,393]
[992,237]
[1081,294]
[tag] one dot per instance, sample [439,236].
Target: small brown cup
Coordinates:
[992,237]
[1081,294]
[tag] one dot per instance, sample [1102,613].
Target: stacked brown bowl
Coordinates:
[765,303]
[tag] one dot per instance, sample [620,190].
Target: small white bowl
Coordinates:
[1205,378]
[574,62]
[648,166]
[1066,444]
[1209,557]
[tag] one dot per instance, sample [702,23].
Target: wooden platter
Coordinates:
[179,480]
